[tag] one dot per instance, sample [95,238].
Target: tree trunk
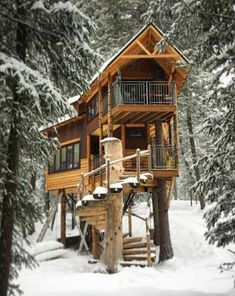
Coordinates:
[7,219]
[156,234]
[194,153]
[10,192]
[166,250]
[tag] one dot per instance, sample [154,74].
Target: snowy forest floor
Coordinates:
[192,272]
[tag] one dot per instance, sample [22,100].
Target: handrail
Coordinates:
[142,153]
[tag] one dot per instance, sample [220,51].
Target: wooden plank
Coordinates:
[91,212]
[133,240]
[70,141]
[152,56]
[134,246]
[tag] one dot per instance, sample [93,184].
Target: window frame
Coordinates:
[66,162]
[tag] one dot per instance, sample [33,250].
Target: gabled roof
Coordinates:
[141,45]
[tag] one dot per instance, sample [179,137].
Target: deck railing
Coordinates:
[141,93]
[163,157]
[144,92]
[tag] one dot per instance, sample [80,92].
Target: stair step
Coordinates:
[138,258]
[129,264]
[134,246]
[137,251]
[132,240]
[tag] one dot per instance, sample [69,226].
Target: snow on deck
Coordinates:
[192,272]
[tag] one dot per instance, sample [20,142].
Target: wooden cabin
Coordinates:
[133,98]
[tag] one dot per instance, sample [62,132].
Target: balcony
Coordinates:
[140,93]
[150,99]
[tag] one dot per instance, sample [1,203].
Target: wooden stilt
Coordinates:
[63,219]
[110,124]
[100,130]
[113,234]
[129,221]
[95,243]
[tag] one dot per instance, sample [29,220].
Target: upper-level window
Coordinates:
[92,108]
[68,157]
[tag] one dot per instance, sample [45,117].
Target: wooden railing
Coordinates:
[108,163]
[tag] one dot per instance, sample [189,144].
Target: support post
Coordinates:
[129,221]
[149,159]
[95,243]
[110,124]
[100,130]
[138,164]
[108,173]
[176,140]
[63,219]
[113,243]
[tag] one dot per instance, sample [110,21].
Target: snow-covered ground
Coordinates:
[192,272]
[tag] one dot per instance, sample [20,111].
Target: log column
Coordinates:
[113,242]
[100,129]
[110,124]
[63,219]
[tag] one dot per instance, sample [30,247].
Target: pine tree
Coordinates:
[44,56]
[211,27]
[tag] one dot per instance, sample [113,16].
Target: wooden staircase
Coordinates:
[138,251]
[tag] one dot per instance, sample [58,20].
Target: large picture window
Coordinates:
[67,158]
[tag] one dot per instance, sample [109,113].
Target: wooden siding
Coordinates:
[72,131]
[66,179]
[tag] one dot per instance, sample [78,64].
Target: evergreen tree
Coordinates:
[44,56]
[211,25]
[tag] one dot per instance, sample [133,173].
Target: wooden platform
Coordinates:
[140,113]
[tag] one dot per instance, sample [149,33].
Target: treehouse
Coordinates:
[133,99]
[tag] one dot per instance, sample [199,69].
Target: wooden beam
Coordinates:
[152,56]
[143,47]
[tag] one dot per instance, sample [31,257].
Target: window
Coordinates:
[136,137]
[67,158]
[92,108]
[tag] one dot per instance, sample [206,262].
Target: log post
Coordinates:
[63,219]
[148,242]
[95,243]
[138,165]
[113,243]
[129,221]
[110,124]
[100,130]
